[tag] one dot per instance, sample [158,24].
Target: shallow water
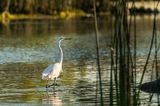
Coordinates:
[28,46]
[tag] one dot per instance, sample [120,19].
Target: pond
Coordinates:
[28,46]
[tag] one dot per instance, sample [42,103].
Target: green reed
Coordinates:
[97,52]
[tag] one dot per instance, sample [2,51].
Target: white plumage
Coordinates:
[53,70]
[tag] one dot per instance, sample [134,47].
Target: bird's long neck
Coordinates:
[61,52]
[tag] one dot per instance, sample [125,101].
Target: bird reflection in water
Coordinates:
[52,99]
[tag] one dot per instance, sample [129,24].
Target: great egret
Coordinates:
[53,70]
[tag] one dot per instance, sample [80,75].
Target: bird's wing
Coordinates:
[47,71]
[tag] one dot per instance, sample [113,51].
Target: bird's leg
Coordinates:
[47,84]
[55,80]
[47,87]
[53,84]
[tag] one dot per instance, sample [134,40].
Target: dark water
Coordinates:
[28,46]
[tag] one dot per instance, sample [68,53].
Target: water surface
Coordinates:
[28,46]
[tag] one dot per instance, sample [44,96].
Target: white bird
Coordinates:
[52,72]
